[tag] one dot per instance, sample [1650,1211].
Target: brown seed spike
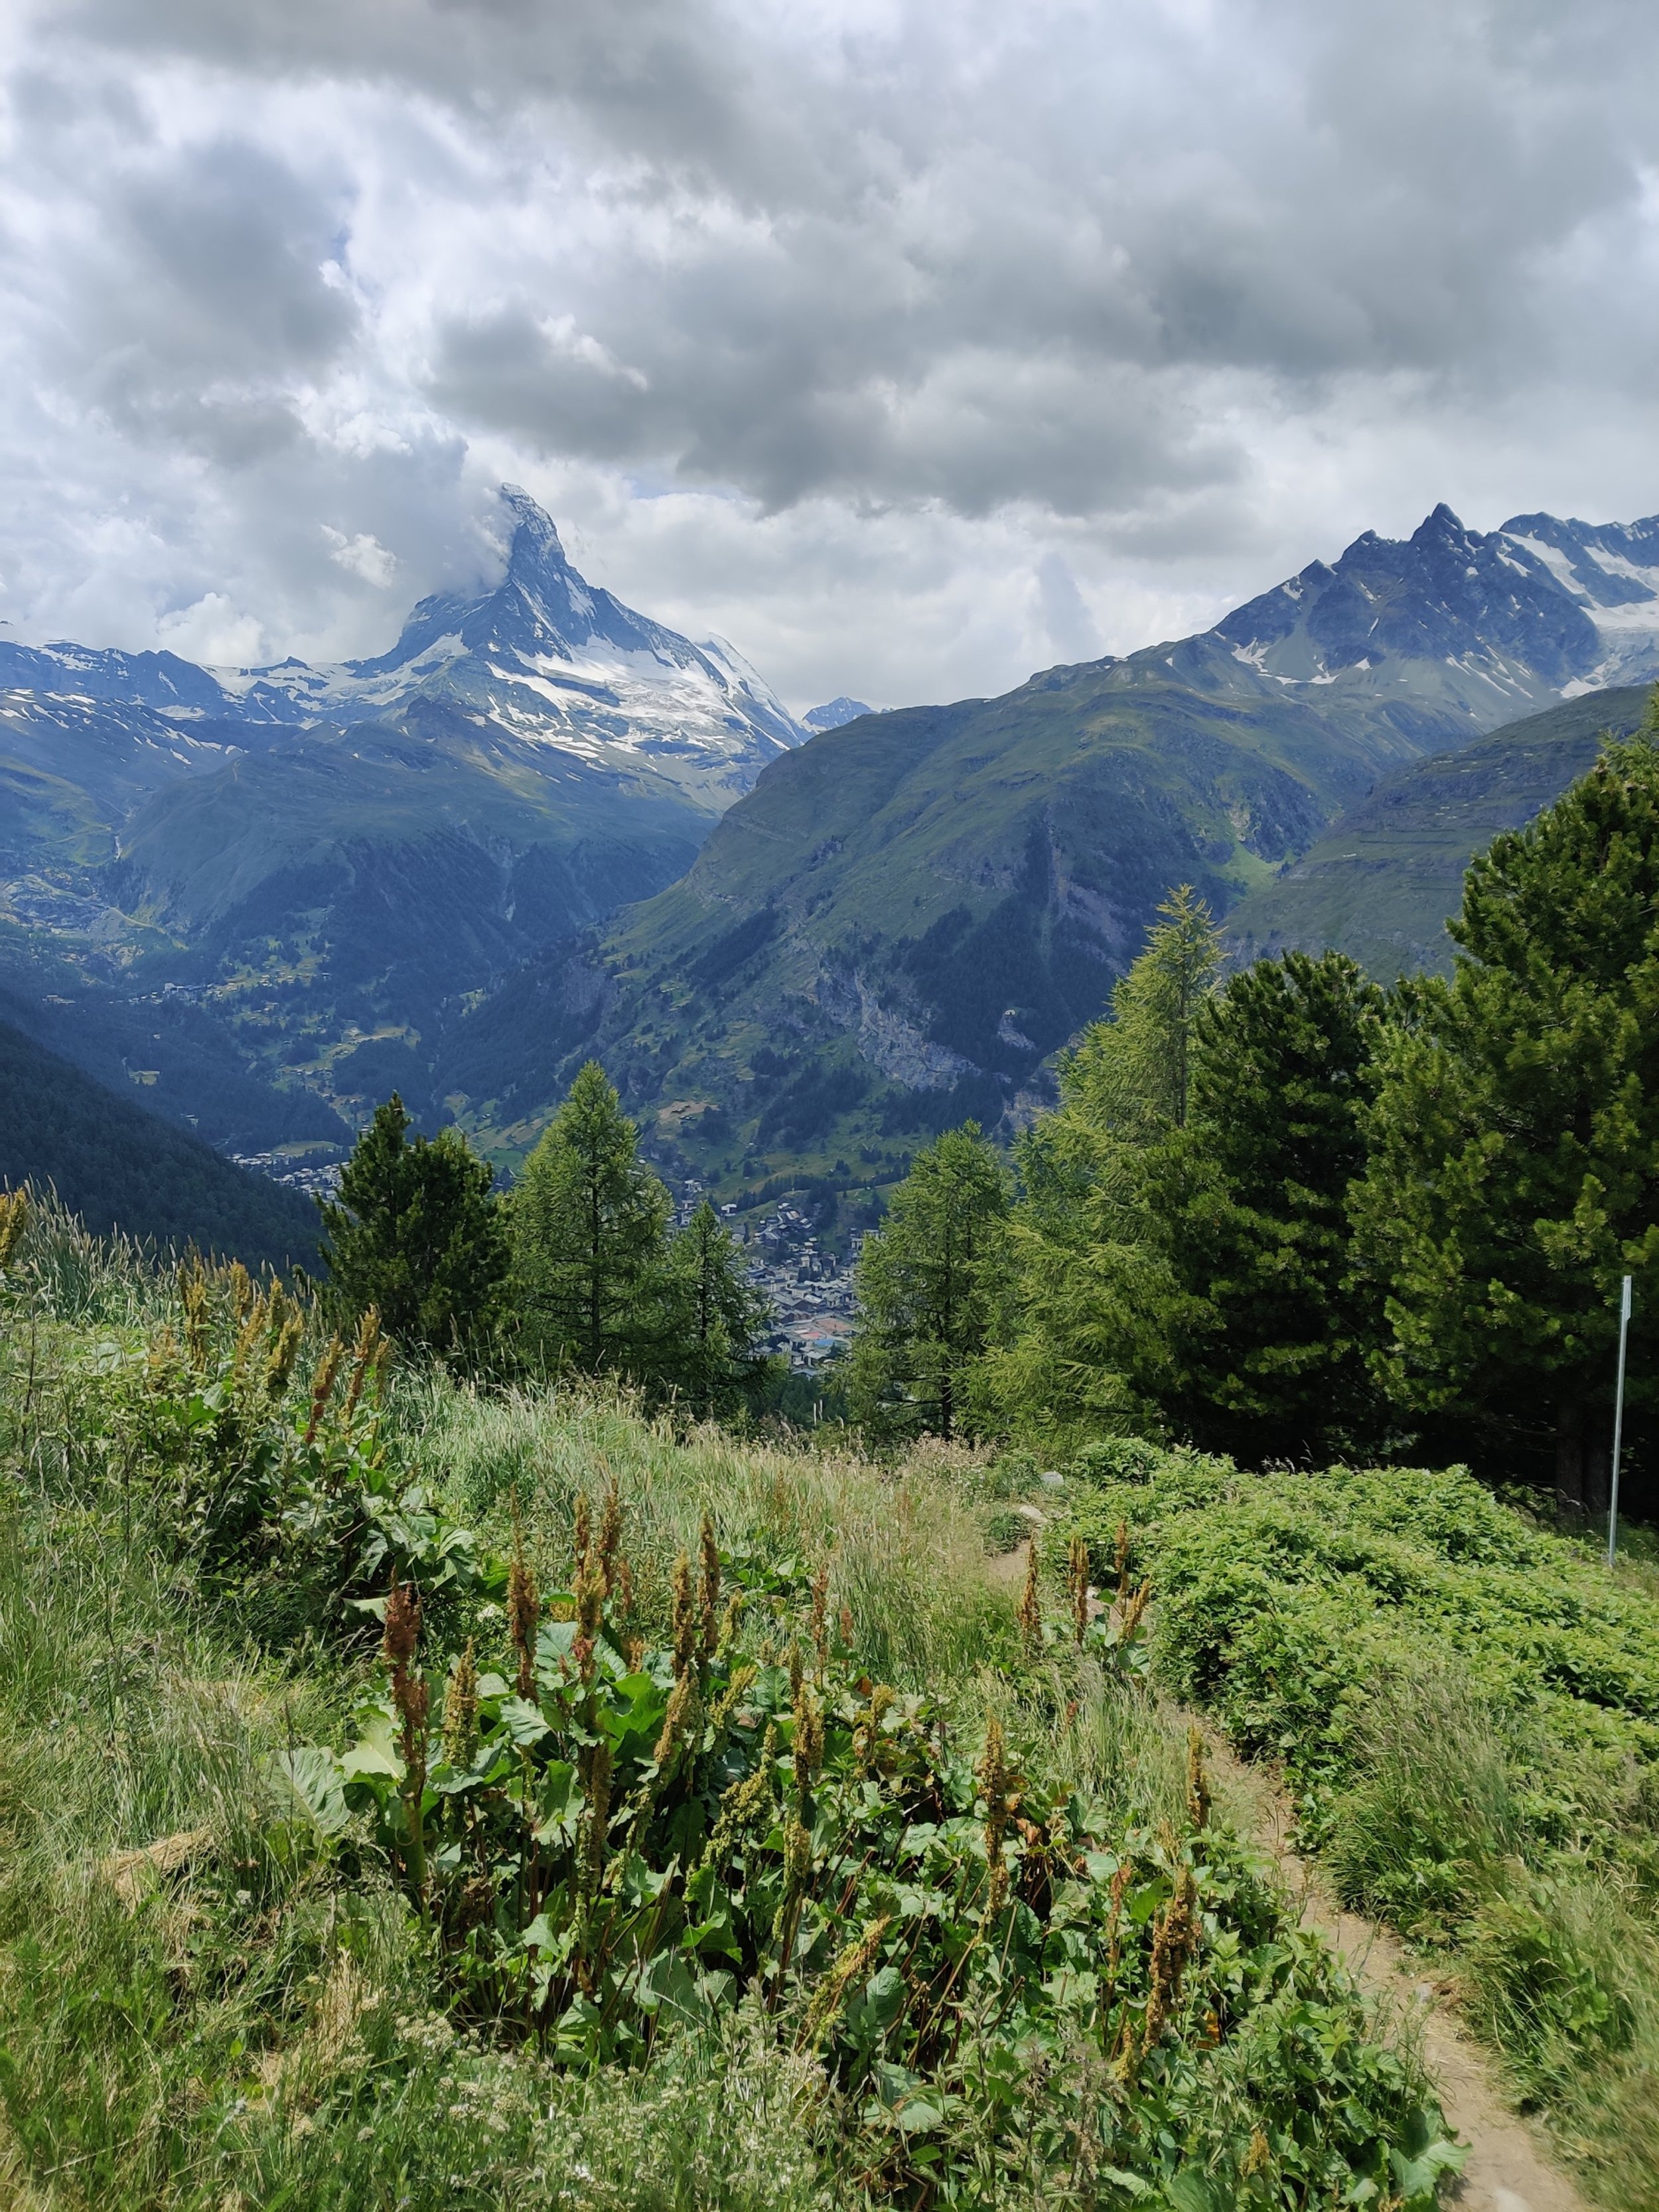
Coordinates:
[1198,1782]
[582,1537]
[1030,1615]
[1120,1561]
[1078,1584]
[322,1388]
[685,1620]
[610,1530]
[709,1552]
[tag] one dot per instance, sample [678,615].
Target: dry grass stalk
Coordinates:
[132,1872]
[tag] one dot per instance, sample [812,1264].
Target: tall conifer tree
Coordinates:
[1515,1141]
[928,1282]
[415,1230]
[589,1225]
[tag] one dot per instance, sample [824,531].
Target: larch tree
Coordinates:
[929,1281]
[589,1228]
[714,1315]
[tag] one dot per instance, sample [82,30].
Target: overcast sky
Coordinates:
[910,344]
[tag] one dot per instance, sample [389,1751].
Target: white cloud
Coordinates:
[911,343]
[363,555]
[213,631]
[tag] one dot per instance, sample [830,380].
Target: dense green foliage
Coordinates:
[685,1905]
[1467,1709]
[1267,1336]
[1515,1144]
[414,1233]
[122,1169]
[929,1283]
[715,1316]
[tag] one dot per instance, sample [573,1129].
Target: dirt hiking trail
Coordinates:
[1507,2170]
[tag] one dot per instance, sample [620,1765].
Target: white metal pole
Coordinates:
[1618,1426]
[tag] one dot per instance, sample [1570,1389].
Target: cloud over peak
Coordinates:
[909,345]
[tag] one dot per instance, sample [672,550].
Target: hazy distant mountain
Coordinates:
[1382,881]
[837,712]
[908,916]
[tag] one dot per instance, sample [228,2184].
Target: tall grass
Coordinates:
[199,2013]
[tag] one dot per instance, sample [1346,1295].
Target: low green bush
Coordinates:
[1466,1707]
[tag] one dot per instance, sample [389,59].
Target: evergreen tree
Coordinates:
[589,1224]
[415,1230]
[1081,1332]
[714,1315]
[1265,1338]
[1130,1076]
[928,1283]
[1514,1142]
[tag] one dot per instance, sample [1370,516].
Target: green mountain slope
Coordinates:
[120,1168]
[1381,882]
[908,916]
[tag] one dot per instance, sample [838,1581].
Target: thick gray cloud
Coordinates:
[911,345]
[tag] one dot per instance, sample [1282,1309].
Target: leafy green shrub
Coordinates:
[1467,1708]
[616,1845]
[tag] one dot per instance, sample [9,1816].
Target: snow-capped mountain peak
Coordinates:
[551,658]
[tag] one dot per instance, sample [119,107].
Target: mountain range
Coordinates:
[905,918]
[542,825]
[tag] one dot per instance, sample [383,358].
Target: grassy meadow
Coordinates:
[722,1824]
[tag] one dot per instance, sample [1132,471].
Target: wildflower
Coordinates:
[1134,1613]
[1175,1939]
[853,1964]
[994,1779]
[809,1745]
[821,1616]
[241,1289]
[193,1297]
[610,1528]
[847,1635]
[582,1534]
[284,1351]
[866,1737]
[596,1821]
[1120,1561]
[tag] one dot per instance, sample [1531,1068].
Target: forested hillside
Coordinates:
[121,1169]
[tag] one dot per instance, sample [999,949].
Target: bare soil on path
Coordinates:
[1507,2169]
